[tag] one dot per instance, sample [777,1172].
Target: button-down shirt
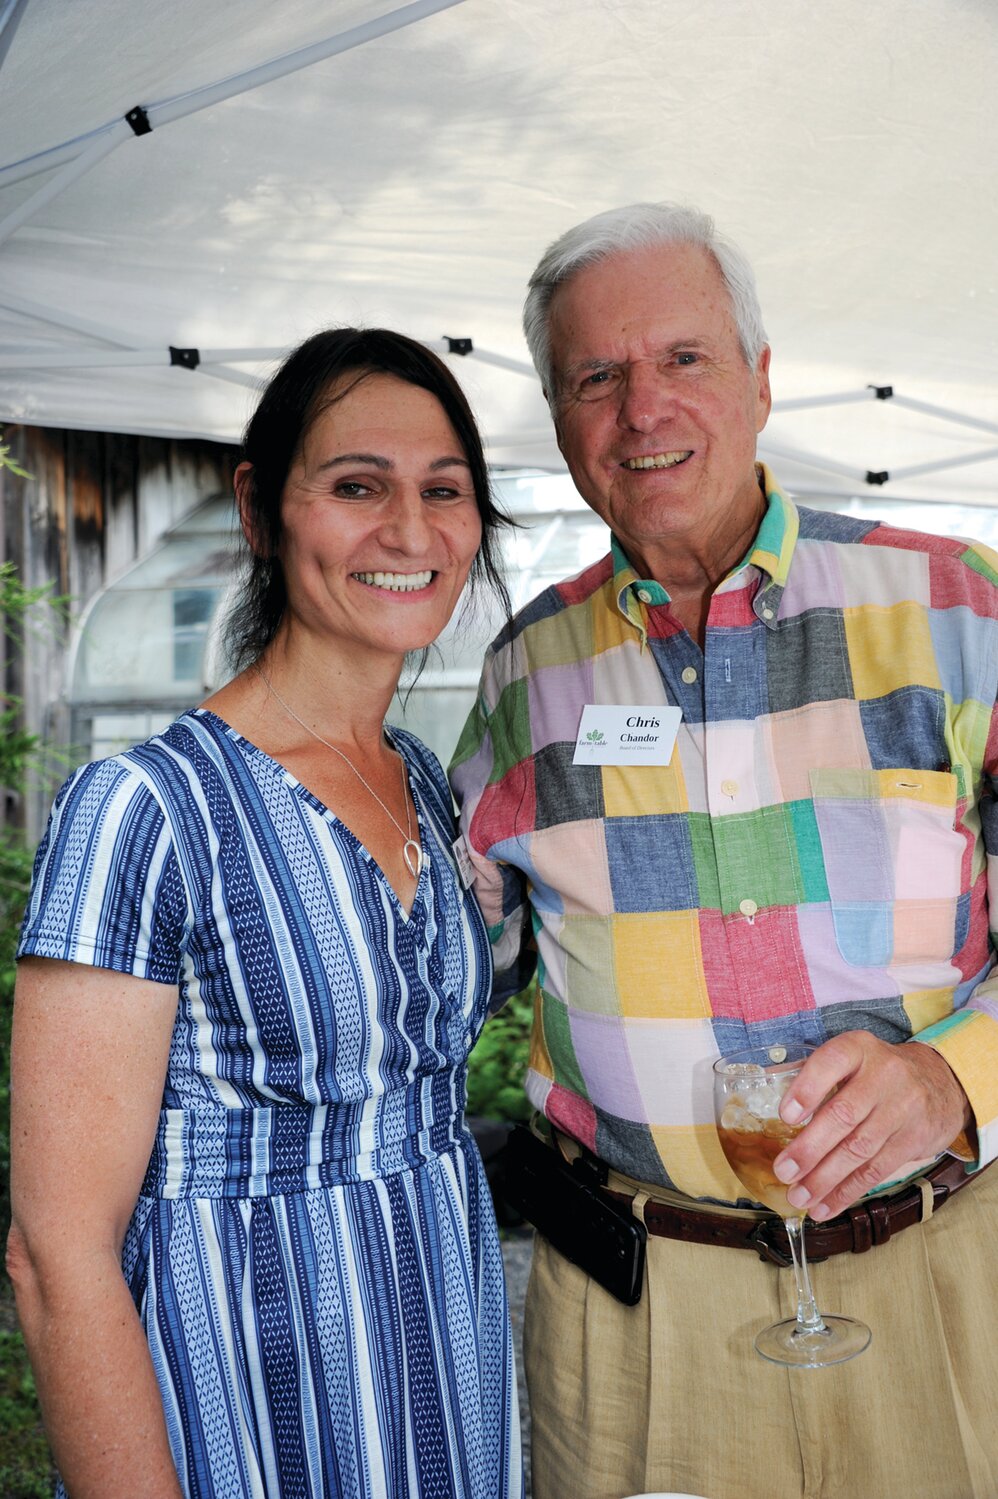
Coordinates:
[818,856]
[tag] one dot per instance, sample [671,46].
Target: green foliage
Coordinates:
[22,757]
[17,603]
[15,878]
[26,1470]
[25,1465]
[7,462]
[499,1061]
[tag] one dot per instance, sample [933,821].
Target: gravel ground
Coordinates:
[517,1249]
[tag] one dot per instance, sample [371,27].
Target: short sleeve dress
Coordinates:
[313,1254]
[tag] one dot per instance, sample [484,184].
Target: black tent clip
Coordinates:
[188,358]
[139,120]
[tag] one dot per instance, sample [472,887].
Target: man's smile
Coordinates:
[658,460]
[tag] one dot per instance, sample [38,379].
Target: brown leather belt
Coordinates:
[873,1221]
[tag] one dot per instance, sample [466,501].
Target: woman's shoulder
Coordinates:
[134,775]
[176,739]
[146,804]
[108,883]
[195,745]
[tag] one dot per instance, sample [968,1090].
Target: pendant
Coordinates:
[413,856]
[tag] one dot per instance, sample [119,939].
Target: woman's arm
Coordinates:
[89,1057]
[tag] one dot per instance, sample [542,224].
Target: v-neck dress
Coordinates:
[314,1254]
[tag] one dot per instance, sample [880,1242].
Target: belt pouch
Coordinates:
[601,1237]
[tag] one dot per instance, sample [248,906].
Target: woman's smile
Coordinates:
[397,582]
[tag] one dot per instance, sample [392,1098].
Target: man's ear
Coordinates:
[242,482]
[765,398]
[557,427]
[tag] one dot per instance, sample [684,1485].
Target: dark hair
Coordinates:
[274,436]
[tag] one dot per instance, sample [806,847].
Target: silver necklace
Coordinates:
[412,851]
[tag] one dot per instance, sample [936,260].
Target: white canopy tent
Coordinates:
[218,180]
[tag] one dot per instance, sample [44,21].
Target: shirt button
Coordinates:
[747,907]
[767,613]
[730,788]
[689,674]
[644,595]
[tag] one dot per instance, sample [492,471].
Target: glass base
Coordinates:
[841,1338]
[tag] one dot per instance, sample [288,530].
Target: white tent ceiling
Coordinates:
[414,178]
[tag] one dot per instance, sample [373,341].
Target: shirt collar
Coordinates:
[634,595]
[776,538]
[771,552]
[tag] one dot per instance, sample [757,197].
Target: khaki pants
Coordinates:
[670,1394]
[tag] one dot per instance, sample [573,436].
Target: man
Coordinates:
[807,860]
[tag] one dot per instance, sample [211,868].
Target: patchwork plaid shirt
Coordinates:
[820,855]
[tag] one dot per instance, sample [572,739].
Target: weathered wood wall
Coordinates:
[95,504]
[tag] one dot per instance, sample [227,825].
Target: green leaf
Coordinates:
[498,1064]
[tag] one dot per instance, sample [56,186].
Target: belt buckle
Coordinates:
[771,1251]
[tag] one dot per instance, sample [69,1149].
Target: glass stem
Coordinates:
[808,1316]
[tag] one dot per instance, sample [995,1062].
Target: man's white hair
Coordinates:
[639,226]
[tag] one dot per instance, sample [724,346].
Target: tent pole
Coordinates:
[945,415]
[984,456]
[500,361]
[101,147]
[57,318]
[10,15]
[807,403]
[484,356]
[293,62]
[123,356]
[813,460]
[212,362]
[182,105]
[47,161]
[232,377]
[83,359]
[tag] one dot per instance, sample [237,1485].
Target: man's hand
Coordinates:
[894,1105]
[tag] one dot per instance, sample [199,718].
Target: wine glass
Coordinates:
[748,1088]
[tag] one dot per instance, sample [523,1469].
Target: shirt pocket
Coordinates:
[893,857]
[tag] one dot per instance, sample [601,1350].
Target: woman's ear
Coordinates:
[242,482]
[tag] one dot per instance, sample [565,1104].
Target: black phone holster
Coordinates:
[563,1202]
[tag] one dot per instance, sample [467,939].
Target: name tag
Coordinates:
[619,735]
[465,868]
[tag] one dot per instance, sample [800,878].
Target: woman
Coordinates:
[312,1300]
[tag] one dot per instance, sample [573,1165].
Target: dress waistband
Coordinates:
[287,1147]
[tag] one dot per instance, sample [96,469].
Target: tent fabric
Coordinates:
[414,179]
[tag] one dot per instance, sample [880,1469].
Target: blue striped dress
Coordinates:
[313,1255]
